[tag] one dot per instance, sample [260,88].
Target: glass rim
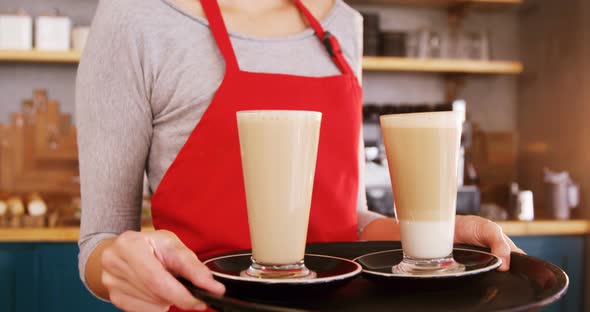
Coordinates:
[278,112]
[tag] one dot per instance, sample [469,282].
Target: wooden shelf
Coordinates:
[443,4]
[546,227]
[61,234]
[51,235]
[377,63]
[35,56]
[512,228]
[369,63]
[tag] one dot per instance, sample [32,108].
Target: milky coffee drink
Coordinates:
[279,152]
[422,153]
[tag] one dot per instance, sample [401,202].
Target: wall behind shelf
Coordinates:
[554,101]
[81,12]
[491,99]
[17,81]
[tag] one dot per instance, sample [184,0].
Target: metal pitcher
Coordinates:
[562,194]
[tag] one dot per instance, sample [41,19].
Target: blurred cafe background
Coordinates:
[519,70]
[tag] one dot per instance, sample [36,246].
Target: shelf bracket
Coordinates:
[456,13]
[454,83]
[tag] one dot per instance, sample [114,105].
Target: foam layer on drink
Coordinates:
[279,152]
[280,115]
[427,239]
[423,120]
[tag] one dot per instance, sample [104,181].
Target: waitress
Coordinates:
[157,91]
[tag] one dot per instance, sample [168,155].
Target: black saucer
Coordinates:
[379,265]
[332,272]
[328,269]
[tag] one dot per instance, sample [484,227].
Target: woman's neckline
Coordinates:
[308,32]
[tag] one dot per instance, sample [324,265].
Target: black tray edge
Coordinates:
[547,301]
[240,305]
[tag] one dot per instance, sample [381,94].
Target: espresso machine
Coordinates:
[468,194]
[378,184]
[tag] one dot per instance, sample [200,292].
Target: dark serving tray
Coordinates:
[530,284]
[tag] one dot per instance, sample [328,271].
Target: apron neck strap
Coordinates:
[213,13]
[217,25]
[330,42]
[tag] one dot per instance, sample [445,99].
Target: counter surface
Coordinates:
[512,228]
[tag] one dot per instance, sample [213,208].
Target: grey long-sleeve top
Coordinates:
[148,73]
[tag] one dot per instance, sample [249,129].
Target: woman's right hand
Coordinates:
[139,269]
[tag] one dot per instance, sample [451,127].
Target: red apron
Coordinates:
[201,197]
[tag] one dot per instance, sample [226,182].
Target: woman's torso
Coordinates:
[182,67]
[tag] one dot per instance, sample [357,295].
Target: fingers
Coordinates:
[154,275]
[513,246]
[483,232]
[139,272]
[490,234]
[185,263]
[146,271]
[501,248]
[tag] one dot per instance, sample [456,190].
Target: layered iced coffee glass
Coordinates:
[422,153]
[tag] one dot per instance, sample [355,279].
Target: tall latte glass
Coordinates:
[279,152]
[422,152]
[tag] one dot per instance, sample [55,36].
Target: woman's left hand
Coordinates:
[469,230]
[482,232]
